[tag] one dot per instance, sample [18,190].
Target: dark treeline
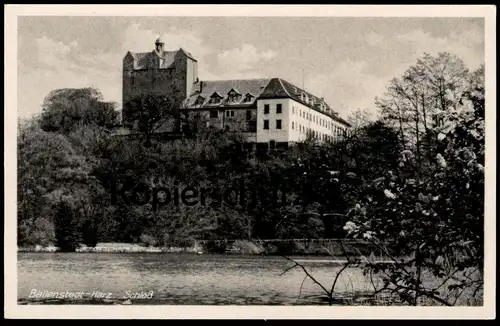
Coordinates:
[82,184]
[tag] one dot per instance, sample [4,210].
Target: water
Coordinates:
[185,278]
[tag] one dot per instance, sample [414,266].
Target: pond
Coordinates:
[166,278]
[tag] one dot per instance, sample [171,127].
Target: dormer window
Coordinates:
[248,98]
[233,96]
[216,98]
[199,100]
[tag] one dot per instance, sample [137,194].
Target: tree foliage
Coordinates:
[435,219]
[65,109]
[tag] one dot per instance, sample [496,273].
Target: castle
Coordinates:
[268,110]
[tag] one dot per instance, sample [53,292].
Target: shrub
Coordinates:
[148,240]
[436,221]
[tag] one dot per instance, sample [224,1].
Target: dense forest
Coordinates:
[413,174]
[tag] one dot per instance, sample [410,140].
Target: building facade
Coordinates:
[268,110]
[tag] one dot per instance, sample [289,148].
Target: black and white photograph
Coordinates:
[296,157]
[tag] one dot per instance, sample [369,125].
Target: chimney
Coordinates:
[201,86]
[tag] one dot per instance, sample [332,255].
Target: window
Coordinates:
[229,113]
[292,125]
[214,114]
[233,96]
[248,98]
[249,115]
[215,99]
[278,124]
[293,109]
[266,124]
[252,126]
[199,100]
[266,108]
[278,108]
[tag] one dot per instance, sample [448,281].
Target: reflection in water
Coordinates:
[183,278]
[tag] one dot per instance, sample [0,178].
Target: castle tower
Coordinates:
[169,73]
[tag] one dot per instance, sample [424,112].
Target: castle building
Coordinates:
[268,110]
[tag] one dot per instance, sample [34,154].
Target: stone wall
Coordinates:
[175,81]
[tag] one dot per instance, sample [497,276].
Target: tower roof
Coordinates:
[159,40]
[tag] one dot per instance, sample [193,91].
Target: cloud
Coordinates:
[242,60]
[59,65]
[138,39]
[53,55]
[68,65]
[355,84]
[348,87]
[466,44]
[373,39]
[47,64]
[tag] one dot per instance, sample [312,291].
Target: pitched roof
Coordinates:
[189,55]
[278,87]
[142,58]
[223,87]
[261,88]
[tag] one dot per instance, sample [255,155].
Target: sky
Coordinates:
[347,60]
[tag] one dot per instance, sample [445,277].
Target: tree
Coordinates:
[432,225]
[359,119]
[68,235]
[151,112]
[372,149]
[65,109]
[47,167]
[416,102]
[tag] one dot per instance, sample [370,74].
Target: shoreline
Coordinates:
[274,247]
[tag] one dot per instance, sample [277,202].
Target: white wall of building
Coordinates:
[273,134]
[296,119]
[303,118]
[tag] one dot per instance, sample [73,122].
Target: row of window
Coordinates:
[267,108]
[308,116]
[337,130]
[315,133]
[217,99]
[302,129]
[316,119]
[214,114]
[277,126]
